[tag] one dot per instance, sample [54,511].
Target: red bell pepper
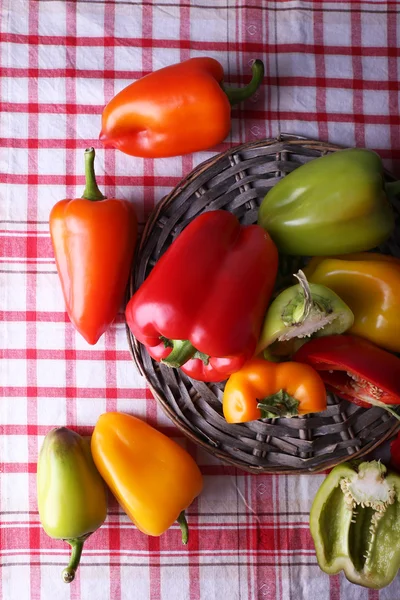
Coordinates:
[355,369]
[201,307]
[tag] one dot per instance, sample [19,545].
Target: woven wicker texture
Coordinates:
[237,181]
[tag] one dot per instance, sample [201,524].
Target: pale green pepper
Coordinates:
[334,204]
[71,494]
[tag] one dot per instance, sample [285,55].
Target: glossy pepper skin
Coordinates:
[202,305]
[263,389]
[179,109]
[355,369]
[71,495]
[152,477]
[355,523]
[93,241]
[335,204]
[370,284]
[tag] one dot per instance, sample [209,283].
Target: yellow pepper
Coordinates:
[369,283]
[152,477]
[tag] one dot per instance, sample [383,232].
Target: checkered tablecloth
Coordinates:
[332,71]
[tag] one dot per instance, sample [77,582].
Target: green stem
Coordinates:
[308,299]
[91,191]
[184,527]
[278,406]
[236,95]
[393,189]
[76,544]
[182,351]
[382,405]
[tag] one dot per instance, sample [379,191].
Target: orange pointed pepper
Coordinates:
[176,110]
[263,389]
[93,240]
[152,477]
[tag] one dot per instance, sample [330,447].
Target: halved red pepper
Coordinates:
[201,307]
[355,369]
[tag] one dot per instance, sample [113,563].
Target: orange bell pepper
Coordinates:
[179,109]
[369,283]
[268,390]
[152,477]
[93,241]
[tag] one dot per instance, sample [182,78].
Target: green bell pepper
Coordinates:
[335,204]
[355,523]
[71,494]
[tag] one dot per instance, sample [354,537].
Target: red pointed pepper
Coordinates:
[201,307]
[355,369]
[93,240]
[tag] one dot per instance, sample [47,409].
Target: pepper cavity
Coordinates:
[355,523]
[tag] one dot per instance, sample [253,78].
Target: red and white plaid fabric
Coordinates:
[332,72]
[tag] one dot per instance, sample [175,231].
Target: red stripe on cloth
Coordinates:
[254,31]
[334,587]
[269,80]
[187,166]
[358,100]
[114,540]
[276,481]
[147,65]
[40,430]
[67,354]
[45,317]
[263,581]
[393,79]
[29,246]
[207,46]
[73,392]
[102,181]
[318,29]
[259,114]
[31,283]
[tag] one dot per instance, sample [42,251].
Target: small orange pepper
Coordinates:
[263,389]
[152,477]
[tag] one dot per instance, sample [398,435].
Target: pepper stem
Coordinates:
[308,299]
[184,527]
[182,351]
[76,544]
[236,95]
[279,405]
[375,402]
[91,191]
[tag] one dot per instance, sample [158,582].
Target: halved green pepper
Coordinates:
[355,523]
[72,498]
[303,310]
[334,204]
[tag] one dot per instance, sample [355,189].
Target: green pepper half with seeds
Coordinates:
[355,523]
[303,310]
